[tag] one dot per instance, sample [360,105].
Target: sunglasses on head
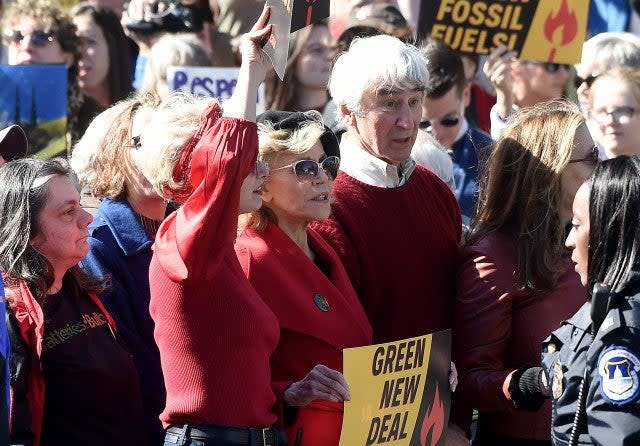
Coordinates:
[591,157]
[447,121]
[37,37]
[578,81]
[308,170]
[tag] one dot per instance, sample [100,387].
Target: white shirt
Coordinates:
[363,166]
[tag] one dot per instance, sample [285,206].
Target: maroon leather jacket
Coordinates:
[499,327]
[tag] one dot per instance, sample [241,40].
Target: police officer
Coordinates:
[593,360]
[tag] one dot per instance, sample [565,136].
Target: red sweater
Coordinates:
[399,246]
[214,333]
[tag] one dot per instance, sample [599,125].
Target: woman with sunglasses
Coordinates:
[121,236]
[40,32]
[301,277]
[600,53]
[515,279]
[615,111]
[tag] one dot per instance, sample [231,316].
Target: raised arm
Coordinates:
[242,103]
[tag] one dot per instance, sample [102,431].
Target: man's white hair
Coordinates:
[375,62]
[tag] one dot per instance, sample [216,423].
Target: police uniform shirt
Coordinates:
[613,380]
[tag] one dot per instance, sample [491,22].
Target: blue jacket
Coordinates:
[467,153]
[121,248]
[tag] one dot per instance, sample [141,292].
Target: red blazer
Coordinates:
[499,327]
[319,316]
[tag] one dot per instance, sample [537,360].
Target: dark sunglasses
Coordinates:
[578,81]
[591,157]
[447,121]
[308,170]
[37,37]
[135,142]
[554,67]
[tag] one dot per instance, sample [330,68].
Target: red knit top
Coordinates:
[214,333]
[399,246]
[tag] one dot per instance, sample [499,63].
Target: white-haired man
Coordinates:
[395,225]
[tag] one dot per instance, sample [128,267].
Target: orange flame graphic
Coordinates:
[434,421]
[565,19]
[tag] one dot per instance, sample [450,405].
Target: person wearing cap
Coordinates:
[447,96]
[13,144]
[317,308]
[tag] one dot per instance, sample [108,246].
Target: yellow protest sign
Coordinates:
[543,30]
[399,392]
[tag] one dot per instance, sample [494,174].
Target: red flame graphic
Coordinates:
[564,18]
[434,421]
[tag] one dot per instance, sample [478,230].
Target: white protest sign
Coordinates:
[218,82]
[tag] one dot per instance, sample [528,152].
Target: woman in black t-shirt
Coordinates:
[73,380]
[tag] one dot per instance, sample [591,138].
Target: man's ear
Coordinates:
[348,117]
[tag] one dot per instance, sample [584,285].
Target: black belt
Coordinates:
[216,434]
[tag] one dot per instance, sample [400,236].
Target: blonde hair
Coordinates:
[273,143]
[175,121]
[523,191]
[86,149]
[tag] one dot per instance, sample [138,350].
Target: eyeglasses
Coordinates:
[447,121]
[621,115]
[135,142]
[308,170]
[38,37]
[261,168]
[592,157]
[578,81]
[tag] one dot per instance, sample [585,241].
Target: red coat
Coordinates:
[319,316]
[28,313]
[500,327]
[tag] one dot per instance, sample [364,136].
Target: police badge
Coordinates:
[619,369]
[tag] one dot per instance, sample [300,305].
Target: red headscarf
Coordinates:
[182,169]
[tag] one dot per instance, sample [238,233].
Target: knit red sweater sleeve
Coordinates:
[191,241]
[335,235]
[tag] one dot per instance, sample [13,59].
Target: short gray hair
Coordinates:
[373,62]
[612,50]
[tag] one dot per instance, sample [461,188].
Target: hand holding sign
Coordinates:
[251,47]
[321,383]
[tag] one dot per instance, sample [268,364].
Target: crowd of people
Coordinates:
[189,272]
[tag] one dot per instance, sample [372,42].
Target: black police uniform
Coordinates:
[612,364]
